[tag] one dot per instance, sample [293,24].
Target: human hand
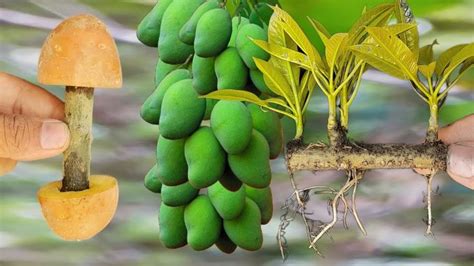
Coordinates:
[31,126]
[460,138]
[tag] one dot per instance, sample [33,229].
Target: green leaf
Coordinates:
[395,50]
[426,56]
[399,28]
[275,81]
[376,57]
[284,53]
[335,46]
[445,58]
[427,70]
[321,30]
[232,6]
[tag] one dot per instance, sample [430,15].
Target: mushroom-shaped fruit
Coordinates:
[79,54]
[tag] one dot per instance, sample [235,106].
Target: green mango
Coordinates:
[162,70]
[263,198]
[245,230]
[224,243]
[188,31]
[252,166]
[202,222]
[172,228]
[170,48]
[247,48]
[181,111]
[268,123]
[151,108]
[178,195]
[237,23]
[148,31]
[231,122]
[230,70]
[257,79]
[204,76]
[210,103]
[205,158]
[152,182]
[229,204]
[171,163]
[213,33]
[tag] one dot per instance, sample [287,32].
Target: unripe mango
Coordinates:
[188,31]
[224,243]
[229,204]
[252,166]
[203,223]
[148,31]
[230,70]
[152,182]
[268,123]
[237,23]
[231,122]
[257,79]
[178,195]
[170,48]
[245,230]
[205,158]
[204,76]
[213,33]
[172,228]
[151,108]
[181,111]
[247,48]
[162,70]
[263,198]
[210,103]
[171,163]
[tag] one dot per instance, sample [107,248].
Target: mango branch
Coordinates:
[361,156]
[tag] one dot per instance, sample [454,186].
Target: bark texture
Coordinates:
[78,115]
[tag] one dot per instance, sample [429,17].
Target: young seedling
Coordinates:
[80,54]
[295,67]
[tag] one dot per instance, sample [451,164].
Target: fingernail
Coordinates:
[54,135]
[461,159]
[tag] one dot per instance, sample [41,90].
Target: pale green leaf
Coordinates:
[321,30]
[399,28]
[275,81]
[426,56]
[291,28]
[404,14]
[236,95]
[395,50]
[466,53]
[377,16]
[445,58]
[335,46]
[376,57]
[427,70]
[284,53]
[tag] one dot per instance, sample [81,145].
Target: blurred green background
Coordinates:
[386,110]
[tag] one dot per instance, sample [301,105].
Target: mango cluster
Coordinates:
[212,158]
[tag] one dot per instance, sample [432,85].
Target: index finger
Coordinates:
[460,131]
[21,97]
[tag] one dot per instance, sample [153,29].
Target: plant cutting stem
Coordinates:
[78,116]
[432,132]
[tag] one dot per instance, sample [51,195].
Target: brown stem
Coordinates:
[314,157]
[78,115]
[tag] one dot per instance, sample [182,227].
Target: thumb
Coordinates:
[25,138]
[461,163]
